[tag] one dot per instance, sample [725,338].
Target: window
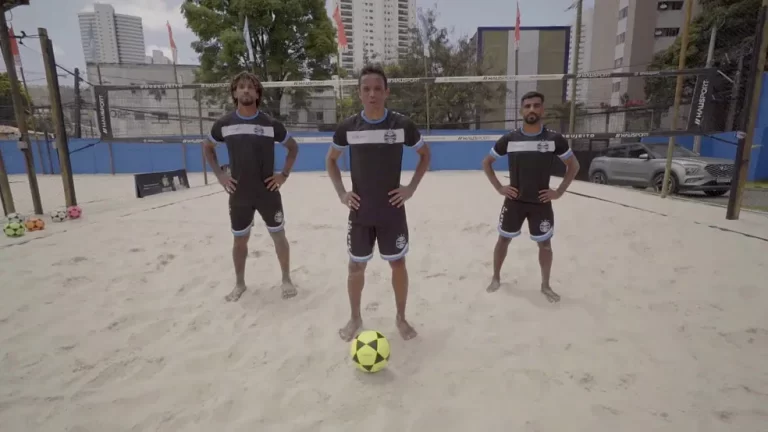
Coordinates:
[616,152]
[624,12]
[621,38]
[636,151]
[319,117]
[667,32]
[616,87]
[618,62]
[670,5]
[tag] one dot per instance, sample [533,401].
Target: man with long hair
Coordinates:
[250,136]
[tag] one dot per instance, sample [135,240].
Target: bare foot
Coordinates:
[288,290]
[235,294]
[406,331]
[494,286]
[552,296]
[348,331]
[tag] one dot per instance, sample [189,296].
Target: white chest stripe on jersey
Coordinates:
[531,146]
[248,129]
[391,136]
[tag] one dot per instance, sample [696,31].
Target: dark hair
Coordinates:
[245,75]
[531,95]
[372,70]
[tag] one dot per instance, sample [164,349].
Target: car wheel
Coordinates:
[715,193]
[599,178]
[659,179]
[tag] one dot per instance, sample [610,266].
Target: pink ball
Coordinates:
[74,212]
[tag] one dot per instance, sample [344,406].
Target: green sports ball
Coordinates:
[14,229]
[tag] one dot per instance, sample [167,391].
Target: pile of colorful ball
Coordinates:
[16,225]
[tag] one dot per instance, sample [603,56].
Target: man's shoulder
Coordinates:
[400,120]
[226,118]
[348,123]
[552,134]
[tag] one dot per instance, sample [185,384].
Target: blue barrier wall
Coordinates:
[90,156]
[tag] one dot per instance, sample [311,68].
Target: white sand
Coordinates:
[116,322]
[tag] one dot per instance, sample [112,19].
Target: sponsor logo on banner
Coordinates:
[102,108]
[159,182]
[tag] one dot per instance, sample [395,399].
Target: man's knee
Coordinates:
[397,264]
[504,241]
[241,241]
[278,236]
[545,245]
[357,268]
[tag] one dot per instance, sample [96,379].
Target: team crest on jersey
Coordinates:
[279,217]
[400,242]
[390,137]
[545,226]
[258,130]
[542,146]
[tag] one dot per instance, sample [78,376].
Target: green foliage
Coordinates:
[736,21]
[450,106]
[7,115]
[292,40]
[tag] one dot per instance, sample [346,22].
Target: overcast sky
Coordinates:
[60,18]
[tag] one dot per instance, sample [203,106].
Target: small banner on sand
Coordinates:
[159,182]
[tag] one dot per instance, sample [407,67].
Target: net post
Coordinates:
[678,95]
[577,46]
[57,114]
[746,132]
[202,133]
[181,119]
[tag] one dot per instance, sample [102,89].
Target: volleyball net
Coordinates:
[610,105]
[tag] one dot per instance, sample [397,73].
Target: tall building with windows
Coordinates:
[377,30]
[584,55]
[108,37]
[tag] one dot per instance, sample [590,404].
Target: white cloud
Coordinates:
[154,13]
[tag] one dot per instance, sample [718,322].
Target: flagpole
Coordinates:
[517,65]
[178,94]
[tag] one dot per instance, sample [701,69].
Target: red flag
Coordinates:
[517,28]
[340,27]
[14,47]
[173,44]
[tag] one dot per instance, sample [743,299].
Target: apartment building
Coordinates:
[623,36]
[376,30]
[108,37]
[584,55]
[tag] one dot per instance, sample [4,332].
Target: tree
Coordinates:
[292,40]
[736,21]
[7,115]
[450,105]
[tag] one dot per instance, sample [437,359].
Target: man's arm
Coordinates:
[572,166]
[209,149]
[498,150]
[414,140]
[293,152]
[332,168]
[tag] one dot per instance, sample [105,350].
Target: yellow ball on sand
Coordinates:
[370,351]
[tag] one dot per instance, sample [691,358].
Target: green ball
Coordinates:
[14,229]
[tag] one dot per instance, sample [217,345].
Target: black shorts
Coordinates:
[541,219]
[269,206]
[391,235]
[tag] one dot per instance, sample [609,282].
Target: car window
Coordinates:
[636,151]
[616,152]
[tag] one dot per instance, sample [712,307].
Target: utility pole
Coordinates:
[678,95]
[746,131]
[576,48]
[710,61]
[78,117]
[57,115]
[21,121]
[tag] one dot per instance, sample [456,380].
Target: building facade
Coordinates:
[543,50]
[376,30]
[584,55]
[108,37]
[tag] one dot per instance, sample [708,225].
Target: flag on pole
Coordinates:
[342,36]
[248,41]
[517,28]
[14,48]
[174,52]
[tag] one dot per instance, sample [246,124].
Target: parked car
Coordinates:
[642,165]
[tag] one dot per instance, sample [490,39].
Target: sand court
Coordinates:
[117,321]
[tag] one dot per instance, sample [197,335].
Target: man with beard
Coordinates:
[250,137]
[530,151]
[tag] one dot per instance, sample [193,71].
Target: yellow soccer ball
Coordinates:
[370,351]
